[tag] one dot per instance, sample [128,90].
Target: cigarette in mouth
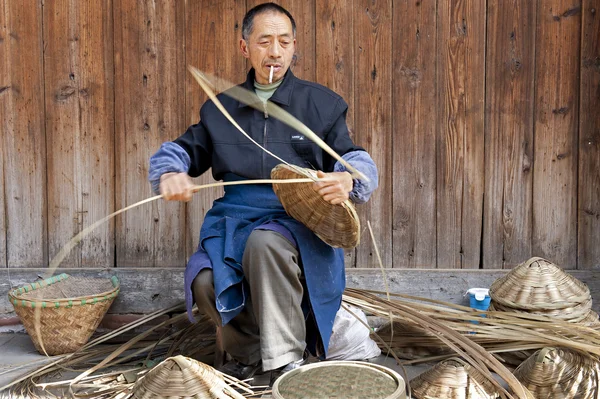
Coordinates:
[271,75]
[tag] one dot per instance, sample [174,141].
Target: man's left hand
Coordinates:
[336,188]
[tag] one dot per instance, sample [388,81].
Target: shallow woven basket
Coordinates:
[559,373]
[452,379]
[340,379]
[69,310]
[337,225]
[539,285]
[182,377]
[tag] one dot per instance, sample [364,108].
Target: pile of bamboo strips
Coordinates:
[106,370]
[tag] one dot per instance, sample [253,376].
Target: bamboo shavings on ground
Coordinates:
[110,371]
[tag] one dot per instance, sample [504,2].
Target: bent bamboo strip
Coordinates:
[249,98]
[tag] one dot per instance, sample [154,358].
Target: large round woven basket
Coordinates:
[539,287]
[340,379]
[538,284]
[452,379]
[337,225]
[182,377]
[559,373]
[69,310]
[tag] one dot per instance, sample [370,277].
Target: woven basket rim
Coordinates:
[400,392]
[15,294]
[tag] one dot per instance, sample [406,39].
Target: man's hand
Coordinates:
[176,187]
[336,188]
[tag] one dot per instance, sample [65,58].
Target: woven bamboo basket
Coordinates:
[182,377]
[452,379]
[337,225]
[559,373]
[539,285]
[69,310]
[340,379]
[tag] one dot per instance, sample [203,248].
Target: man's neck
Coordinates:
[264,92]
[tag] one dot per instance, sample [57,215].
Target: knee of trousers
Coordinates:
[203,289]
[265,245]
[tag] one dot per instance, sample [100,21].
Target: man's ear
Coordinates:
[244,48]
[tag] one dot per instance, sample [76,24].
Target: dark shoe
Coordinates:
[275,374]
[239,370]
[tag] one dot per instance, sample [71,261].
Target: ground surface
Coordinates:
[17,354]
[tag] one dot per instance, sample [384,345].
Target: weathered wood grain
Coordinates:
[414,130]
[373,120]
[23,135]
[588,245]
[144,290]
[460,139]
[334,58]
[149,98]
[4,116]
[78,70]
[211,45]
[510,71]
[556,128]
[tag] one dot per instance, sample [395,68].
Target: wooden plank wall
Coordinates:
[482,118]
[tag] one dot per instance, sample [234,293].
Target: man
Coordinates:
[272,285]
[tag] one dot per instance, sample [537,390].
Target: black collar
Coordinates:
[282,95]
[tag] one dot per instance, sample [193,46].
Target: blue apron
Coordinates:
[226,228]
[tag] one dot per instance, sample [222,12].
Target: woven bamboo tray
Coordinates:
[452,379]
[337,225]
[69,310]
[340,379]
[558,373]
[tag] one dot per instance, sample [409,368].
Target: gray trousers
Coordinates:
[271,327]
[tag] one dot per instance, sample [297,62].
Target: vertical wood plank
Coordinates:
[556,127]
[460,150]
[4,116]
[414,110]
[589,139]
[373,120]
[213,31]
[23,134]
[334,61]
[78,70]
[509,133]
[150,102]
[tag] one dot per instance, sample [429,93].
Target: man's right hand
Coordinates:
[176,186]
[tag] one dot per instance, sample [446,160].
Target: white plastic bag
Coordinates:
[350,338]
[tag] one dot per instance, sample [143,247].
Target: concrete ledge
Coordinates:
[144,290]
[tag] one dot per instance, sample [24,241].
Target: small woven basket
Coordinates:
[559,373]
[452,379]
[337,225]
[182,377]
[340,379]
[539,285]
[69,310]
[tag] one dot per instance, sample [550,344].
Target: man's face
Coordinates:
[271,43]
